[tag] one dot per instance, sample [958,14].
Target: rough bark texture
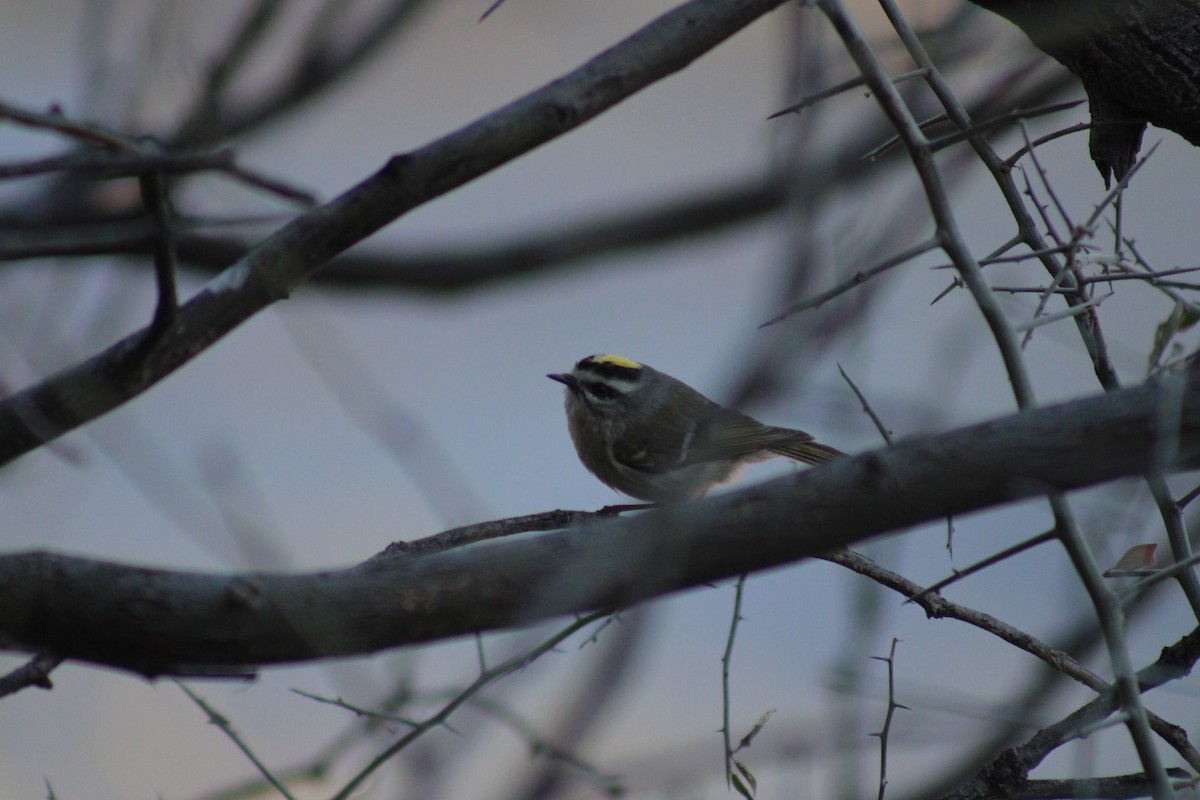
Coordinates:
[1139,61]
[159,622]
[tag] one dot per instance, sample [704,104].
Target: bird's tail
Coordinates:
[810,452]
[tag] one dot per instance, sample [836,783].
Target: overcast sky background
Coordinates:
[253,416]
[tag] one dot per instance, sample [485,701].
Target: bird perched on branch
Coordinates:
[655,438]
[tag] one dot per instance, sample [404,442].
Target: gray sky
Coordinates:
[255,413]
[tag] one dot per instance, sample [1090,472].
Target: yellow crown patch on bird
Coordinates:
[620,361]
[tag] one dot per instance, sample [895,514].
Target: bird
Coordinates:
[653,437]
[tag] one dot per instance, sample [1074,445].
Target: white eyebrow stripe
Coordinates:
[619,384]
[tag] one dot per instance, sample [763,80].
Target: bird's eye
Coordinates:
[601,391]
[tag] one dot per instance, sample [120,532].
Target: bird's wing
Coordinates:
[727,434]
[668,451]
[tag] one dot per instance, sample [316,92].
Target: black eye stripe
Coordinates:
[601,391]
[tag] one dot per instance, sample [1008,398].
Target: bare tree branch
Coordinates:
[272,270]
[157,621]
[35,673]
[319,63]
[1008,771]
[938,607]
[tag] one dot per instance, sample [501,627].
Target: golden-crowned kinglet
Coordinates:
[655,438]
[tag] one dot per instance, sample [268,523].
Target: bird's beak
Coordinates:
[565,378]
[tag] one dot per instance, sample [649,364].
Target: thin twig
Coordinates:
[250,33]
[107,164]
[1151,278]
[879,426]
[157,204]
[482,531]
[132,155]
[971,131]
[1073,311]
[337,702]
[499,671]
[35,672]
[938,607]
[125,163]
[1017,115]
[890,660]
[857,279]
[958,282]
[319,766]
[1041,171]
[1051,230]
[275,186]
[1166,290]
[1154,577]
[1009,552]
[323,54]
[488,12]
[844,86]
[1189,497]
[892,142]
[223,723]
[593,638]
[1119,188]
[1177,536]
[1016,258]
[726,660]
[1068,267]
[55,120]
[611,785]
[1011,161]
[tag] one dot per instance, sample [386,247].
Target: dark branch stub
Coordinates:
[1137,60]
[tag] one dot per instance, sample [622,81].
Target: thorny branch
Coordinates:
[920,152]
[1064,283]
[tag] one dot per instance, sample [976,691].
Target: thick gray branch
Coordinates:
[288,257]
[158,621]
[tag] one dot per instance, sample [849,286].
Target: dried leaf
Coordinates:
[758,726]
[1180,319]
[1138,557]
